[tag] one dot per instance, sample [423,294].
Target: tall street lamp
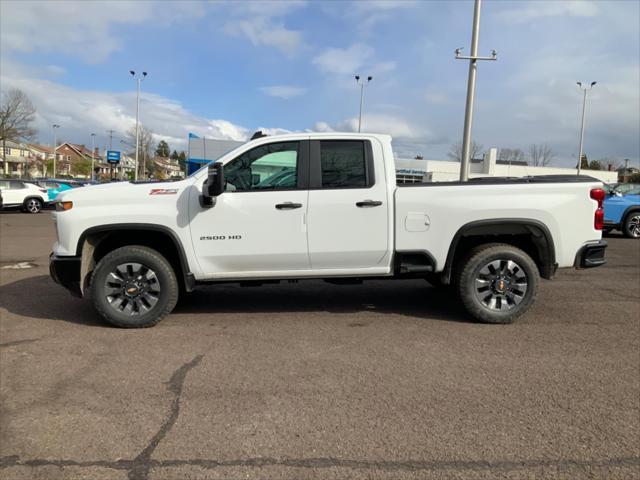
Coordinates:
[138,80]
[362,84]
[93,155]
[55,144]
[584,104]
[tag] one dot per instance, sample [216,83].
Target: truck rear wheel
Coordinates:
[497,283]
[134,287]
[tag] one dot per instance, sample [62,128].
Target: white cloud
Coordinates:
[436,98]
[378,123]
[260,23]
[554,8]
[81,112]
[344,61]
[262,31]
[81,29]
[283,91]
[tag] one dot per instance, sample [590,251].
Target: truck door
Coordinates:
[348,208]
[259,223]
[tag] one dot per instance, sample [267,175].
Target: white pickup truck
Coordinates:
[321,206]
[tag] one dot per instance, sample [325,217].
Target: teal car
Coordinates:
[54,187]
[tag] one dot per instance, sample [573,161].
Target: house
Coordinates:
[120,171]
[166,167]
[75,160]
[625,172]
[20,160]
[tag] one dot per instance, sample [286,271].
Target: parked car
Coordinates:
[28,196]
[622,210]
[343,220]
[54,187]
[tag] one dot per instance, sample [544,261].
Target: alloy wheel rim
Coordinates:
[501,285]
[33,206]
[634,226]
[132,288]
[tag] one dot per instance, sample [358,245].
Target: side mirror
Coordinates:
[213,185]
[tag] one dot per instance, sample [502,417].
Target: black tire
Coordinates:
[32,205]
[141,270]
[631,225]
[502,296]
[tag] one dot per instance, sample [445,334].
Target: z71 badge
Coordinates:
[163,191]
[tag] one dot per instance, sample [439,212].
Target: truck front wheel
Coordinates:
[497,283]
[134,287]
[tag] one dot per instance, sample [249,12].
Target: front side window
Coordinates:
[343,164]
[268,167]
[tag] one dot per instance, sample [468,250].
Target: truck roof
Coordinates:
[319,135]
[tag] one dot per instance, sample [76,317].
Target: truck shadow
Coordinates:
[412,298]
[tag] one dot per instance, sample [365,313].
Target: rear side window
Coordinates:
[343,164]
[15,185]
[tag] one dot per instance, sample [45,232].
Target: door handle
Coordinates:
[288,206]
[368,203]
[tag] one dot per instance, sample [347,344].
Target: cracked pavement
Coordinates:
[385,380]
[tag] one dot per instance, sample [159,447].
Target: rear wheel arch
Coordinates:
[531,236]
[96,242]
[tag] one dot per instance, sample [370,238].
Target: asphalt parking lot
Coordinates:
[310,380]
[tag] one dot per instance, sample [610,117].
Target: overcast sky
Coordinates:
[224,70]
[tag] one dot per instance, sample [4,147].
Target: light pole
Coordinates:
[471,91]
[584,104]
[138,80]
[93,155]
[55,143]
[362,84]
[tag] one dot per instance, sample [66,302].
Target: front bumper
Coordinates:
[591,255]
[65,271]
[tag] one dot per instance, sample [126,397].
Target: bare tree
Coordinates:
[511,155]
[16,115]
[455,152]
[540,154]
[145,148]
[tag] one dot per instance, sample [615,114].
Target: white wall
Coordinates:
[446,171]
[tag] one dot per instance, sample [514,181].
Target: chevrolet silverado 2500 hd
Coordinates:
[323,206]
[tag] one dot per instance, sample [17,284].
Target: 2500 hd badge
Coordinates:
[221,237]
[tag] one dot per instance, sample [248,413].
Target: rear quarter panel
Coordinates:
[566,209]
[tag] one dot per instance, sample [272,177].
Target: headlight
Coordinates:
[62,206]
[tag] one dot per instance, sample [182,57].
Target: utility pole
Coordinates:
[584,104]
[110,132]
[93,156]
[138,80]
[55,143]
[362,84]
[471,90]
